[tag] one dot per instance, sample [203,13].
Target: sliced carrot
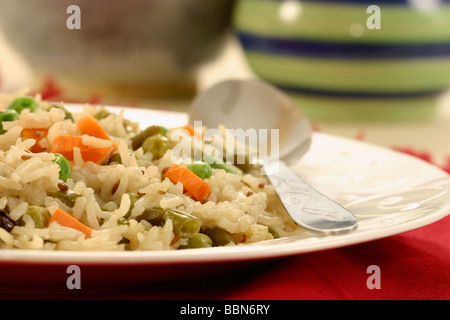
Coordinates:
[90,126]
[37,134]
[198,188]
[191,131]
[87,124]
[66,220]
[65,144]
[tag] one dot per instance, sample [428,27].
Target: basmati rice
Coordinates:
[245,207]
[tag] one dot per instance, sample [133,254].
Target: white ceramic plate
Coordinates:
[389,193]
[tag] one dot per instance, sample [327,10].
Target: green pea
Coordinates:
[157,145]
[198,240]
[138,140]
[65,171]
[115,158]
[123,221]
[201,169]
[66,197]
[164,129]
[103,113]
[216,164]
[22,103]
[39,215]
[219,236]
[7,115]
[184,224]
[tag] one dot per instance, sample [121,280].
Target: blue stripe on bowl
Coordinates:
[320,49]
[356,94]
[375,2]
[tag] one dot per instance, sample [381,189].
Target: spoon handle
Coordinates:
[308,207]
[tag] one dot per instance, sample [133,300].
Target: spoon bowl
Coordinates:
[256,105]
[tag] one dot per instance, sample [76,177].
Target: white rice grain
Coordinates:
[92,210]
[77,157]
[9,137]
[18,211]
[58,233]
[25,168]
[124,153]
[3,202]
[125,204]
[95,142]
[79,208]
[7,183]
[236,204]
[5,236]
[33,243]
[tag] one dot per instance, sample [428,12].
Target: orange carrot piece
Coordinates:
[96,155]
[198,188]
[190,130]
[65,144]
[88,125]
[66,220]
[37,134]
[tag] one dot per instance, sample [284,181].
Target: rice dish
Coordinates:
[64,185]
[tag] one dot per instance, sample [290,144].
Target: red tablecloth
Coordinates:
[413,265]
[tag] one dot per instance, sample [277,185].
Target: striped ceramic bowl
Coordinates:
[350,59]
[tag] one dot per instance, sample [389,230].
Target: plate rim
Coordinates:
[257,251]
[250,252]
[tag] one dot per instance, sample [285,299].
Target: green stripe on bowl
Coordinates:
[352,109]
[333,21]
[396,76]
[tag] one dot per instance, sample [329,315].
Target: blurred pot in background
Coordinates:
[146,48]
[334,60]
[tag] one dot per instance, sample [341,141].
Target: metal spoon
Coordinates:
[254,104]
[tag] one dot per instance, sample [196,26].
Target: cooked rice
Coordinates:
[245,206]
